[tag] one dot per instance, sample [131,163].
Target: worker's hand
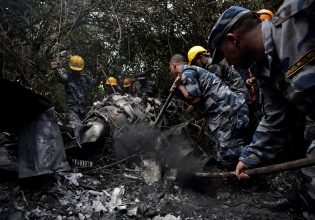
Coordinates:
[190,109]
[251,81]
[100,68]
[54,65]
[239,171]
[176,83]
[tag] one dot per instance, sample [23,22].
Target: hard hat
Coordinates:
[127,82]
[111,81]
[265,14]
[76,63]
[192,53]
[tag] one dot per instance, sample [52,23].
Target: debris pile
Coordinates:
[151,177]
[112,195]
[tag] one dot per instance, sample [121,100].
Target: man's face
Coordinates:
[173,69]
[76,72]
[235,51]
[199,62]
[204,60]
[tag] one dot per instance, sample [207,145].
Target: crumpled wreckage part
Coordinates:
[167,217]
[151,172]
[116,198]
[32,118]
[88,202]
[72,177]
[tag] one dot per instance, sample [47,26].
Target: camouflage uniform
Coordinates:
[150,89]
[76,86]
[226,112]
[229,75]
[287,85]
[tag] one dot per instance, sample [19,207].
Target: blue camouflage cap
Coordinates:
[220,29]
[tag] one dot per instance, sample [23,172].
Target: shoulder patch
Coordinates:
[299,64]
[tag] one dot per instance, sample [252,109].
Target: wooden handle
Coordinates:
[295,164]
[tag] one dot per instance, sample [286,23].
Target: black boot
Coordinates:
[284,204]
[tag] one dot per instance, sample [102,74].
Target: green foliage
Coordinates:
[126,36]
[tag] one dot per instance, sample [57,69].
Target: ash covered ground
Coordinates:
[128,181]
[128,191]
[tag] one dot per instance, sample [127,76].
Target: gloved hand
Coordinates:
[251,81]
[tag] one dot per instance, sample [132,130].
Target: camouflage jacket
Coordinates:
[150,89]
[77,86]
[229,75]
[288,83]
[218,102]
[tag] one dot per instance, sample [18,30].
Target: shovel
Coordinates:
[167,102]
[295,164]
[150,132]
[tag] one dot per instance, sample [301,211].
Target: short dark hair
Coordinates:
[246,23]
[178,58]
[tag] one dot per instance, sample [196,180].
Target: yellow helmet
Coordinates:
[127,82]
[265,14]
[111,81]
[76,63]
[192,53]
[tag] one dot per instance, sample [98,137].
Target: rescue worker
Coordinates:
[225,111]
[127,86]
[199,56]
[111,86]
[144,88]
[77,86]
[284,52]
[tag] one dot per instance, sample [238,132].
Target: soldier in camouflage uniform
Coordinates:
[143,88]
[77,86]
[284,52]
[199,56]
[225,111]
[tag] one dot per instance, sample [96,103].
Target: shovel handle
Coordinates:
[167,102]
[290,165]
[103,72]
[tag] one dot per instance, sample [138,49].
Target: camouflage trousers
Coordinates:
[229,137]
[306,176]
[76,115]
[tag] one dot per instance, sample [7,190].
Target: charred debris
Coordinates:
[122,167]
